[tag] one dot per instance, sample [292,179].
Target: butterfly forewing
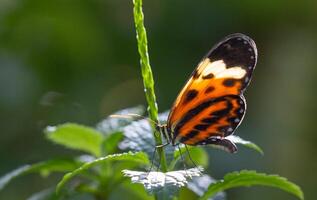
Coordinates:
[211,104]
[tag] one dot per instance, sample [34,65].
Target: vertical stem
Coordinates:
[147,75]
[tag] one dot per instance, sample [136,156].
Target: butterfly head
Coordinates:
[166,132]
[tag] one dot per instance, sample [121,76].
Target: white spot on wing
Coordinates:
[233,72]
[214,67]
[219,69]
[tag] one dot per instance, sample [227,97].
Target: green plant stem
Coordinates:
[147,75]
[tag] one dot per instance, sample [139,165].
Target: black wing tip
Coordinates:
[244,37]
[237,36]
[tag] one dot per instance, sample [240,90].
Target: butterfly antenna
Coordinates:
[132,116]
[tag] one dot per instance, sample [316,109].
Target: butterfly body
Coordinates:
[211,105]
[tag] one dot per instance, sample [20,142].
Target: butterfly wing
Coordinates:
[211,104]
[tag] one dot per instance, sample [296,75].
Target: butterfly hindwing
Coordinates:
[221,143]
[216,84]
[217,117]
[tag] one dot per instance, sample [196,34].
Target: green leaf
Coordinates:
[198,155]
[238,140]
[57,165]
[47,194]
[139,157]
[199,186]
[135,190]
[44,168]
[76,136]
[250,178]
[110,144]
[138,136]
[111,124]
[4,180]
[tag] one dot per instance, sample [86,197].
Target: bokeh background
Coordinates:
[77,61]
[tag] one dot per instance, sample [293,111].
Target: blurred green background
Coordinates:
[77,61]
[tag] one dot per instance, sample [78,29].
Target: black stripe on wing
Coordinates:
[233,113]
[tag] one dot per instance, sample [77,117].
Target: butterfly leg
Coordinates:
[183,159]
[190,158]
[154,152]
[162,145]
[153,158]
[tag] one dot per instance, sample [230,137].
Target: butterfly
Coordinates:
[211,105]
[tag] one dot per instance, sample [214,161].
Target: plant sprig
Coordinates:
[147,75]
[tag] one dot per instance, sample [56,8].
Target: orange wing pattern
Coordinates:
[211,105]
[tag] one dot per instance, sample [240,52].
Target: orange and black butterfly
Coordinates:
[211,105]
